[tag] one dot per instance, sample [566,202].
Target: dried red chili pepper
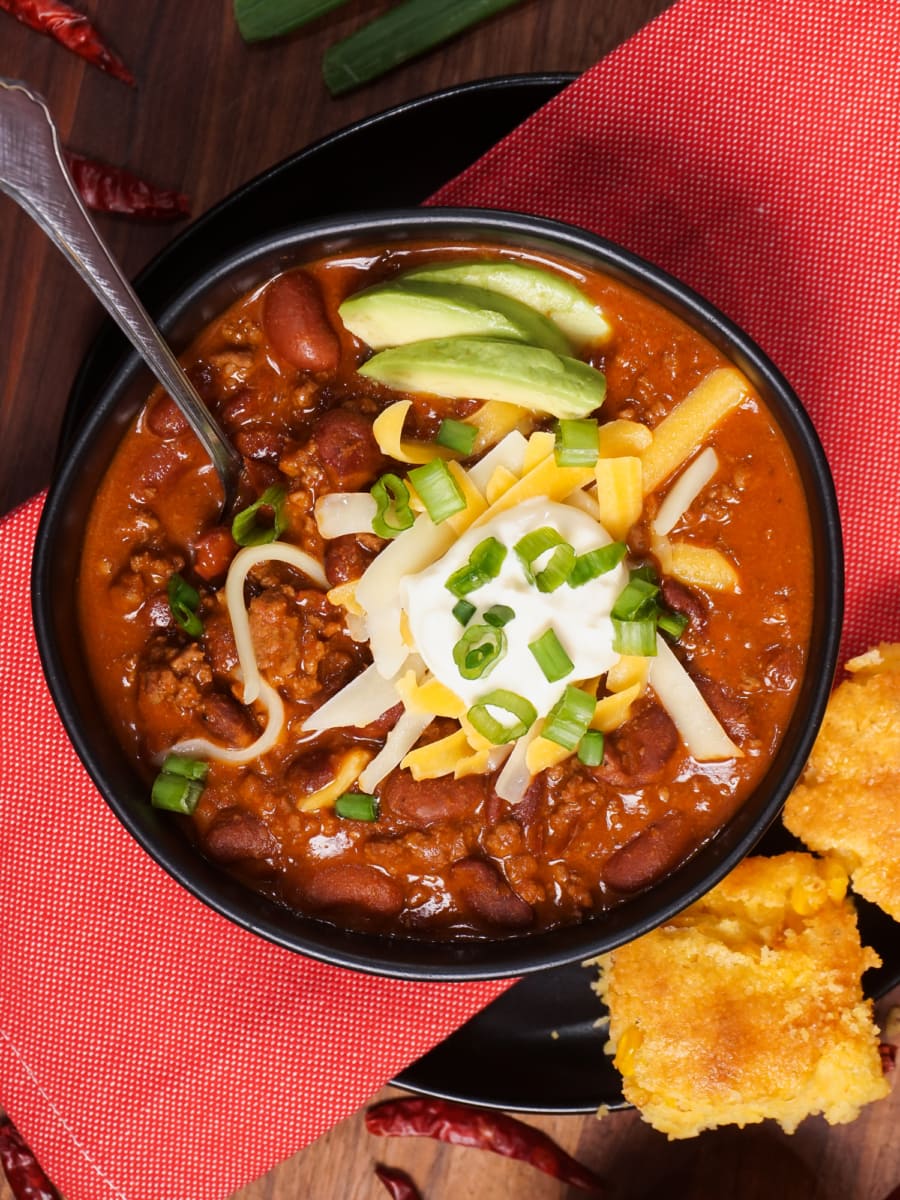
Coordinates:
[22,1170]
[115,190]
[461,1125]
[400,1186]
[71,29]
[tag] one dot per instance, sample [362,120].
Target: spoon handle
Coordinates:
[34,174]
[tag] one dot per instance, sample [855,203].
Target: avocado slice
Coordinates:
[491,369]
[556,297]
[403,311]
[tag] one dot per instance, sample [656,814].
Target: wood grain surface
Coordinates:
[208,114]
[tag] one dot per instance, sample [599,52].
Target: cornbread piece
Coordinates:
[847,803]
[747,1005]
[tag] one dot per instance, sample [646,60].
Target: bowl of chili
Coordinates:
[436,852]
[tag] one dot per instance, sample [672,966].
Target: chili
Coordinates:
[462,1125]
[110,189]
[71,29]
[23,1172]
[399,1185]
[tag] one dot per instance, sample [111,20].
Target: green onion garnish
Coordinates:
[393,514]
[551,656]
[568,719]
[499,615]
[596,563]
[522,711]
[647,572]
[184,601]
[261,19]
[636,601]
[590,748]
[179,785]
[457,435]
[635,637]
[187,768]
[463,611]
[484,564]
[559,566]
[577,443]
[246,529]
[672,623]
[403,32]
[479,650]
[438,490]
[357,806]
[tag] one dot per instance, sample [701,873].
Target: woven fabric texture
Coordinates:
[149,1048]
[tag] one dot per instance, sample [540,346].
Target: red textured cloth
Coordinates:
[148,1048]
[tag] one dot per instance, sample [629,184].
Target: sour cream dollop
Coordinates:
[580,617]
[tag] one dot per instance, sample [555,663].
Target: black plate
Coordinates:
[538,1047]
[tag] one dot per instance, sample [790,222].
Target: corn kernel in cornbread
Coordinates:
[848,802]
[748,1005]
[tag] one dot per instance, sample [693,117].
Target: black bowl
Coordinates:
[56,565]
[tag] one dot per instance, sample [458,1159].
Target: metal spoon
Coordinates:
[34,174]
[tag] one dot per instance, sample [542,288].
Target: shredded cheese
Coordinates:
[687,487]
[613,711]
[340,513]
[387,429]
[620,497]
[508,453]
[348,773]
[694,719]
[242,563]
[703,566]
[437,758]
[513,780]
[399,742]
[495,420]
[361,701]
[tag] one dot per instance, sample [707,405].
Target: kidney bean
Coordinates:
[295,322]
[486,893]
[213,552]
[236,835]
[651,854]
[347,557]
[431,800]
[226,720]
[164,418]
[311,771]
[347,449]
[730,708]
[354,886]
[381,725]
[637,752]
[336,668]
[261,443]
[682,600]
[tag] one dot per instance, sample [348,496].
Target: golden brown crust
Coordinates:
[848,801]
[748,1005]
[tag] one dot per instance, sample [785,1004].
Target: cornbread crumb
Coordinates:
[747,1005]
[848,801]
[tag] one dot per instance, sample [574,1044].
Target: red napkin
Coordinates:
[147,1047]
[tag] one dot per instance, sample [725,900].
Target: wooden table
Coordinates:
[209,114]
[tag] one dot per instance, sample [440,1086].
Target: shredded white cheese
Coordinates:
[399,742]
[687,487]
[203,748]
[694,719]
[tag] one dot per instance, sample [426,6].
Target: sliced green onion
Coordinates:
[559,566]
[498,614]
[568,719]
[391,495]
[184,601]
[551,656]
[635,637]
[522,711]
[484,564]
[357,806]
[175,793]
[577,443]
[438,490]
[595,563]
[457,435]
[590,748]
[647,572]
[479,650]
[636,601]
[246,529]
[261,19]
[403,32]
[187,768]
[672,623]
[463,611]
